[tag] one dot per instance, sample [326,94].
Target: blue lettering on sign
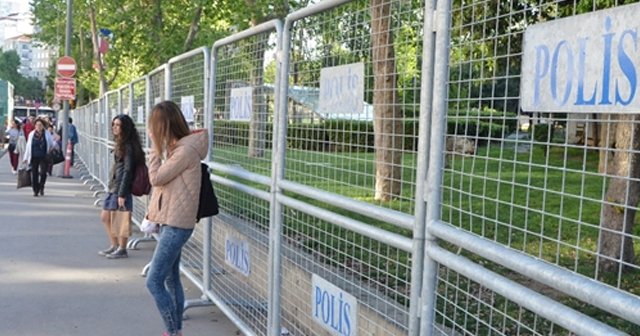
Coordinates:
[332,310]
[560,63]
[581,66]
[626,65]
[340,91]
[237,255]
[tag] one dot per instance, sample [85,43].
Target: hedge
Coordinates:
[357,136]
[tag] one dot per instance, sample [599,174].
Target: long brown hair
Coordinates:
[166,125]
[128,135]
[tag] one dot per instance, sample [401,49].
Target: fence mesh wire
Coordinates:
[464,307]
[552,185]
[157,84]
[243,139]
[188,84]
[243,126]
[125,100]
[363,151]
[376,274]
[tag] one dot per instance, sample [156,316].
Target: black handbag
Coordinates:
[24,178]
[55,156]
[208,202]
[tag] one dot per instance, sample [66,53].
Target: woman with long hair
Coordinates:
[127,155]
[39,144]
[174,173]
[14,135]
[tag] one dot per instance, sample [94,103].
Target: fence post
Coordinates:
[426,96]
[277,174]
[442,20]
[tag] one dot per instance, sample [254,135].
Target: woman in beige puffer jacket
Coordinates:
[174,173]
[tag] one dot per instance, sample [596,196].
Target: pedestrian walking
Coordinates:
[73,138]
[14,134]
[29,125]
[56,141]
[174,173]
[21,146]
[39,144]
[127,154]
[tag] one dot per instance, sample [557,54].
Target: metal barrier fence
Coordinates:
[380,170]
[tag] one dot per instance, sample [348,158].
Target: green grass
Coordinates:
[544,203]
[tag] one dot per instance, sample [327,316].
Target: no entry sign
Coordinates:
[66,66]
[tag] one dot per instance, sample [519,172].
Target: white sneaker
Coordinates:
[14,171]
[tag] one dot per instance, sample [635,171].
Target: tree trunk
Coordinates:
[195,25]
[96,52]
[618,215]
[258,122]
[387,115]
[606,141]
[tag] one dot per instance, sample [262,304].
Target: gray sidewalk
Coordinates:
[53,282]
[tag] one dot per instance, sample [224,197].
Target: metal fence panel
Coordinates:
[189,75]
[243,98]
[351,130]
[125,99]
[554,185]
[157,79]
[188,84]
[359,138]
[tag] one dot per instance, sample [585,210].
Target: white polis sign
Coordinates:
[342,89]
[586,63]
[237,254]
[334,309]
[241,104]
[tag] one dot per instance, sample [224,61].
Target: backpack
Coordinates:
[141,185]
[208,202]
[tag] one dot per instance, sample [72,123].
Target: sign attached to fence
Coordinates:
[237,254]
[342,89]
[140,115]
[241,103]
[334,309]
[585,63]
[187,107]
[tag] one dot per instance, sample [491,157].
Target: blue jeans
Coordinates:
[163,280]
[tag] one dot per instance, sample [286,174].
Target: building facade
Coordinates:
[16,34]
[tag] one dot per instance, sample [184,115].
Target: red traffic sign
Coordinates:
[66,66]
[65,88]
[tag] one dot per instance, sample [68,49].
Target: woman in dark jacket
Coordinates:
[127,154]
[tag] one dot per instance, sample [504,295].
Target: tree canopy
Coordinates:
[152,33]
[26,87]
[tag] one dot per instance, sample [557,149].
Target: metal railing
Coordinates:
[376,176]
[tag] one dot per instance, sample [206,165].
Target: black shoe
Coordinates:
[118,254]
[108,251]
[42,192]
